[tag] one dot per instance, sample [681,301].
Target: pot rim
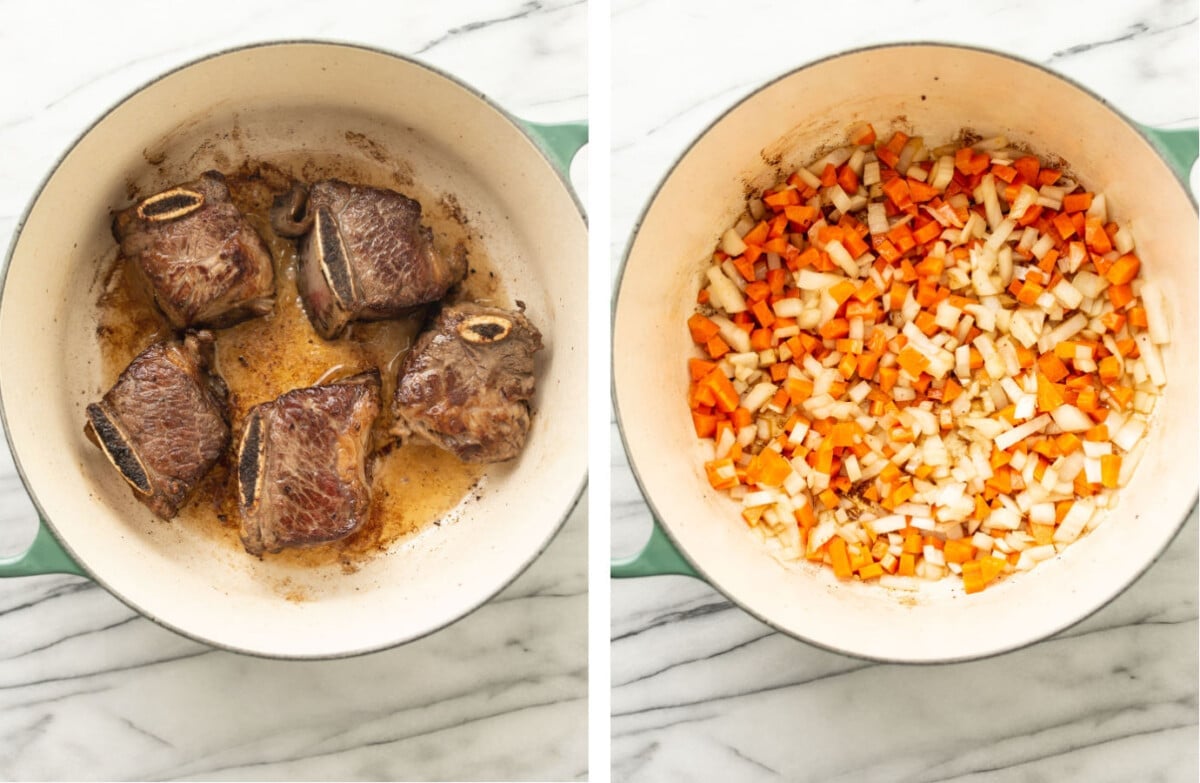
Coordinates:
[563,178]
[657,518]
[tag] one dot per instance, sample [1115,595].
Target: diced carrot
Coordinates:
[798,389]
[1088,400]
[1068,442]
[1028,167]
[698,368]
[758,234]
[1120,295]
[839,559]
[1096,237]
[863,134]
[902,236]
[887,378]
[722,473]
[834,328]
[1123,395]
[716,347]
[768,468]
[872,571]
[959,550]
[921,192]
[1113,321]
[705,424]
[1064,226]
[842,291]
[745,264]
[897,190]
[757,291]
[1137,317]
[702,328]
[726,395]
[1049,396]
[928,232]
[902,494]
[781,198]
[1110,369]
[763,314]
[760,339]
[886,250]
[854,244]
[1077,202]
[913,362]
[1001,480]
[848,366]
[701,397]
[1047,447]
[801,214]
[951,390]
[848,179]
[823,457]
[1110,470]
[897,141]
[829,176]
[1123,270]
[867,364]
[962,159]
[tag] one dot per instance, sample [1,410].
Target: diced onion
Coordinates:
[724,292]
[732,244]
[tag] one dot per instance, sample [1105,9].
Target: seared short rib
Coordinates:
[364,254]
[301,465]
[466,384]
[163,423]
[202,260]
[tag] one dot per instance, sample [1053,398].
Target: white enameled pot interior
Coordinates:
[932,91]
[263,103]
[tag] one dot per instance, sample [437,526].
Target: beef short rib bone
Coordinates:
[467,382]
[162,425]
[202,260]
[301,465]
[364,253]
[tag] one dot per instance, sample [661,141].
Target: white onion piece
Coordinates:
[724,293]
[1071,419]
[1156,315]
[732,243]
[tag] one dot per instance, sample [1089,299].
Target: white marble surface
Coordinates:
[90,690]
[704,692]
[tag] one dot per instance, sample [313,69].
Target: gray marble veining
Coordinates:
[90,690]
[704,692]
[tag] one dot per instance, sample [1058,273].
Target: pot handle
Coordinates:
[1180,148]
[44,556]
[559,141]
[658,557]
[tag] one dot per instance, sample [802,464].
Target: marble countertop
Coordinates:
[88,689]
[702,691]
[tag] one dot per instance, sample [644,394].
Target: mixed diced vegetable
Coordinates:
[921,362]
